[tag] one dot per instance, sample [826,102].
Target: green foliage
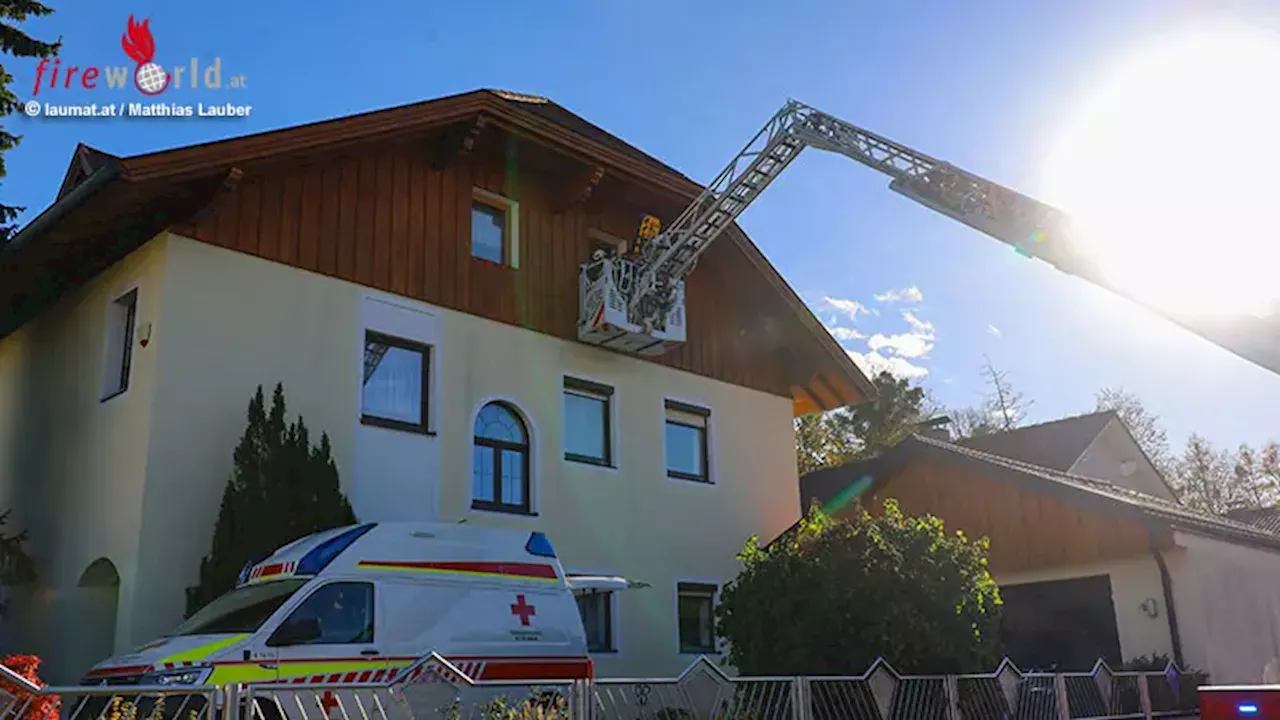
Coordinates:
[550,706]
[282,488]
[835,594]
[864,431]
[18,44]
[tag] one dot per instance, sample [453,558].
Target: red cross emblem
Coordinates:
[328,702]
[523,609]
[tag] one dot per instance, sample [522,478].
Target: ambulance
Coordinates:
[359,604]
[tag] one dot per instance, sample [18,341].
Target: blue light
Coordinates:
[1247,709]
[248,567]
[539,545]
[321,555]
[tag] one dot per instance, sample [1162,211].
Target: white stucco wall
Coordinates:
[72,466]
[231,321]
[1133,581]
[1229,607]
[1114,456]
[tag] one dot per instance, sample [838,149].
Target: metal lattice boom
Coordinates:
[1036,229]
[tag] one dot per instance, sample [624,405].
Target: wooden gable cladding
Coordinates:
[1029,529]
[381,215]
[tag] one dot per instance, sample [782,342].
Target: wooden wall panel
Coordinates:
[385,218]
[1028,528]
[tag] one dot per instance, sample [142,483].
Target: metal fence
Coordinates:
[434,688]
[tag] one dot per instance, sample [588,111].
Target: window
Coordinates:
[121,318]
[610,244]
[695,603]
[495,224]
[500,474]
[488,232]
[596,609]
[587,432]
[342,611]
[395,387]
[242,610]
[686,442]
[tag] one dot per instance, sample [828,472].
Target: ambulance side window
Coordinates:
[338,613]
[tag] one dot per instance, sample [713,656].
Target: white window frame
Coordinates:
[112,354]
[615,624]
[602,238]
[709,433]
[612,462]
[511,238]
[535,457]
[716,642]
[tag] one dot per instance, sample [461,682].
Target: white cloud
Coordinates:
[844,334]
[911,294]
[912,345]
[920,325]
[992,329]
[852,308]
[873,363]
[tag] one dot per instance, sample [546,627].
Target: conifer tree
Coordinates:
[281,488]
[18,44]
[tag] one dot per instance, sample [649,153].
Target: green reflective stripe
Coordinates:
[201,652]
[241,673]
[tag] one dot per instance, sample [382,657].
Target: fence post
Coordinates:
[951,688]
[1144,696]
[1060,692]
[590,711]
[231,703]
[800,706]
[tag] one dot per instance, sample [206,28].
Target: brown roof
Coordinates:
[825,485]
[107,205]
[1056,444]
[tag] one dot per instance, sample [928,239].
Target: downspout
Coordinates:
[1166,584]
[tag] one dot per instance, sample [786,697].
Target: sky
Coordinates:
[985,85]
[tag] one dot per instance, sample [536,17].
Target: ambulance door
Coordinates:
[331,636]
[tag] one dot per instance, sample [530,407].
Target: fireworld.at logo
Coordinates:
[146,76]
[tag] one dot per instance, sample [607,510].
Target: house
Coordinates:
[411,276]
[1088,566]
[1096,445]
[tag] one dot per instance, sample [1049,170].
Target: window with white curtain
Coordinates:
[395,390]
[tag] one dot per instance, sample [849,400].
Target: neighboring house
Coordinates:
[1097,445]
[411,276]
[1087,567]
[1267,518]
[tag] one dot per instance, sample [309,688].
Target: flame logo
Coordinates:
[148,77]
[138,43]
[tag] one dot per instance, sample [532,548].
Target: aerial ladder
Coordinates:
[633,300]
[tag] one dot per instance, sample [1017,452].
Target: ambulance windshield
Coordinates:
[242,610]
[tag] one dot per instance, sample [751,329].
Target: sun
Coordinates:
[1170,171]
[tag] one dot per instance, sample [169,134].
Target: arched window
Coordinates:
[500,469]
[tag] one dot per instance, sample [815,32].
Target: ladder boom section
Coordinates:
[673,254]
[636,303]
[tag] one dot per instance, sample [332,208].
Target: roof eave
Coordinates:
[51,215]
